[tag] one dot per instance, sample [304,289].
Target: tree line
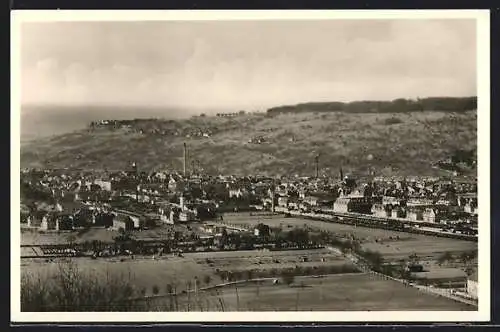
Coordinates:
[446,104]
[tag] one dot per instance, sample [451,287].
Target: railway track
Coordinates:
[368,221]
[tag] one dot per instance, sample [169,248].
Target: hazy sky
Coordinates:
[245,64]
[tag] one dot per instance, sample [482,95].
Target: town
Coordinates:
[134,213]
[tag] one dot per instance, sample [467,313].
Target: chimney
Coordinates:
[185,159]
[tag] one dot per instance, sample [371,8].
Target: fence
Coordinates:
[358,261]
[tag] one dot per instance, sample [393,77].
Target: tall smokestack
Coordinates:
[136,174]
[273,190]
[316,160]
[185,159]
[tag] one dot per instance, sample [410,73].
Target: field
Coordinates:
[410,145]
[146,272]
[391,244]
[143,273]
[96,233]
[347,292]
[267,260]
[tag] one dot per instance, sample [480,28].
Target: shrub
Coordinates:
[287,278]
[393,120]
[70,290]
[207,279]
[169,289]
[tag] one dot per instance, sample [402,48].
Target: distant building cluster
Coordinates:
[156,127]
[60,199]
[231,114]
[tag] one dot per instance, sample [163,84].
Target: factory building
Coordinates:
[356,204]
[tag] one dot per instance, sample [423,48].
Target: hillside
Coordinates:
[283,143]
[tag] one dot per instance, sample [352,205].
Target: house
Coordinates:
[293,205]
[124,222]
[472,285]
[65,223]
[33,221]
[469,204]
[283,201]
[380,210]
[209,228]
[186,216]
[176,185]
[419,201]
[392,201]
[463,199]
[398,212]
[236,192]
[168,215]
[320,199]
[415,214]
[49,222]
[471,209]
[103,184]
[433,215]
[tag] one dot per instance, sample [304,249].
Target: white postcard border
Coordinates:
[483,85]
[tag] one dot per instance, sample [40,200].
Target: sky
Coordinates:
[249,65]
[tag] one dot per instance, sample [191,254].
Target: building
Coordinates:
[103,184]
[398,212]
[468,202]
[319,199]
[392,201]
[419,201]
[30,221]
[472,285]
[49,222]
[176,185]
[283,201]
[379,210]
[356,204]
[415,214]
[123,222]
[138,219]
[293,205]
[186,216]
[65,223]
[463,199]
[236,192]
[470,208]
[433,215]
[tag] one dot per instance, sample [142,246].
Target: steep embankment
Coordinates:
[391,143]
